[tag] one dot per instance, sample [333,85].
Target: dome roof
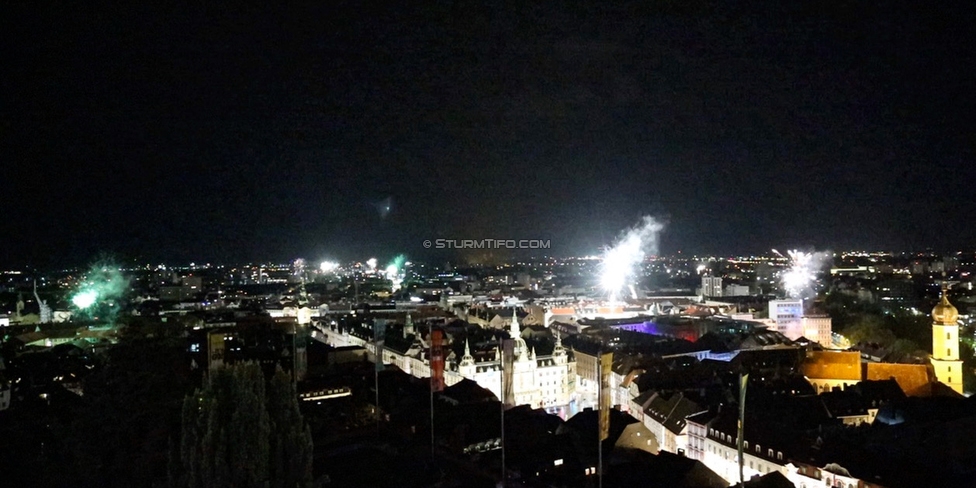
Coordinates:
[944,313]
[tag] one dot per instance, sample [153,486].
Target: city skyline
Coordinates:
[838,257]
[488,244]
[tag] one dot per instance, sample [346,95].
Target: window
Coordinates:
[757,448]
[770,453]
[779,455]
[948,352]
[948,335]
[745,444]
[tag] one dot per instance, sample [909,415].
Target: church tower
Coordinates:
[408,327]
[466,367]
[524,387]
[521,349]
[945,343]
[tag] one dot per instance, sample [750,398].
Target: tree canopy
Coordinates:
[238,432]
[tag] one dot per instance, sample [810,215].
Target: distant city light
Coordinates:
[371,263]
[328,266]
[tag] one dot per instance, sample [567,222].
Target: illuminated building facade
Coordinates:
[788,317]
[711,286]
[945,344]
[540,381]
[818,328]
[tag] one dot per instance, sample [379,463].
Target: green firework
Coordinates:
[98,294]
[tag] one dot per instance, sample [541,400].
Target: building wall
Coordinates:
[787,315]
[723,458]
[949,373]
[4,398]
[659,432]
[945,355]
[824,385]
[818,329]
[736,291]
[695,447]
[855,420]
[712,286]
[667,440]
[637,436]
[821,478]
[546,381]
[588,384]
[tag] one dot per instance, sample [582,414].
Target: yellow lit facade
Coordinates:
[945,344]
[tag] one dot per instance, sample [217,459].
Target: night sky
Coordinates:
[189,133]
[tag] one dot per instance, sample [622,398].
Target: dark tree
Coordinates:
[291,438]
[130,410]
[237,433]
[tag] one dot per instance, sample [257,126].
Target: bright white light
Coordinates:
[328,266]
[298,266]
[701,268]
[371,263]
[798,280]
[617,266]
[85,299]
[621,261]
[393,274]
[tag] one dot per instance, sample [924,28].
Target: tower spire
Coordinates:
[514,328]
[467,359]
[558,350]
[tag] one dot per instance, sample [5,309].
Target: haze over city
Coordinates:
[262,132]
[487,244]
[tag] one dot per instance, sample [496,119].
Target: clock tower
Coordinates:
[945,343]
